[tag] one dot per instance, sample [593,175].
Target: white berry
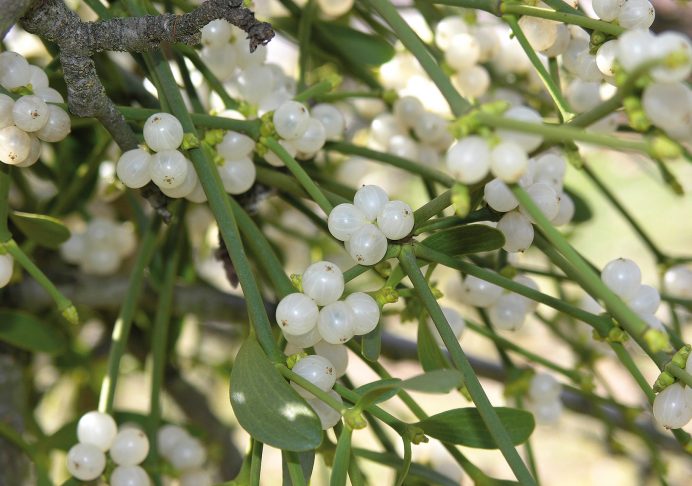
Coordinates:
[508,161]
[455,321]
[168,437]
[6,266]
[469,159]
[527,141]
[545,198]
[323,282]
[238,176]
[645,301]
[499,197]
[677,281]
[344,220]
[163,131]
[508,312]
[370,199]
[317,370]
[235,145]
[366,312]
[368,245]
[335,322]
[129,476]
[396,220]
[623,277]
[670,409]
[133,168]
[15,145]
[337,354]
[544,387]
[517,230]
[168,169]
[57,127]
[296,314]
[98,429]
[130,447]
[188,453]
[86,462]
[480,293]
[327,415]
[14,70]
[291,120]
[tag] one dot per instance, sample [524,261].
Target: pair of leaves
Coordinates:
[41,229]
[27,332]
[470,238]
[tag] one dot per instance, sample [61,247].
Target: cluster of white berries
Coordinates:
[506,310]
[673,406]
[544,398]
[185,453]
[128,447]
[411,132]
[30,119]
[237,170]
[6,268]
[100,247]
[365,225]
[167,167]
[624,277]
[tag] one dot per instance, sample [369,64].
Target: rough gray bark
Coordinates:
[10,13]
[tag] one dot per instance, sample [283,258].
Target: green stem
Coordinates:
[564,17]
[5,182]
[304,31]
[415,46]
[211,79]
[299,173]
[342,456]
[309,386]
[550,86]
[461,362]
[295,471]
[432,207]
[629,363]
[482,214]
[121,330]
[680,374]
[318,89]
[426,474]
[256,462]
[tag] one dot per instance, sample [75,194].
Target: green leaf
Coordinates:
[41,229]
[377,391]
[62,439]
[28,332]
[267,407]
[371,344]
[430,355]
[342,457]
[436,381]
[358,46]
[471,238]
[464,426]
[582,210]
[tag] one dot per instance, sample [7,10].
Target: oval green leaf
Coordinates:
[28,332]
[582,210]
[464,426]
[358,46]
[41,229]
[436,381]
[430,355]
[471,238]
[267,407]
[377,391]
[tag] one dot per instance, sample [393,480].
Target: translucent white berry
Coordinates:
[133,168]
[455,321]
[217,33]
[15,145]
[430,127]
[312,138]
[526,281]
[671,410]
[331,118]
[98,429]
[273,159]
[548,412]
[291,120]
[57,127]
[235,145]
[317,370]
[403,146]
[337,354]
[664,104]
[163,131]
[446,29]
[335,8]
[49,95]
[130,447]
[30,113]
[544,387]
[473,81]
[676,44]
[37,77]
[129,476]
[677,281]
[86,462]
[305,340]
[605,57]
[469,159]
[370,199]
[368,245]
[6,104]
[527,141]
[561,43]
[508,161]
[463,51]
[623,277]
[336,322]
[480,293]
[508,312]
[168,169]
[635,47]
[406,109]
[238,175]
[517,230]
[636,14]
[296,314]
[255,83]
[167,438]
[550,168]
[323,282]
[366,312]
[327,415]
[197,195]
[499,197]
[344,220]
[395,220]
[545,198]
[187,187]
[540,33]
[188,453]
[34,152]
[385,126]
[565,211]
[195,477]
[221,61]
[646,300]
[14,70]
[607,9]
[6,267]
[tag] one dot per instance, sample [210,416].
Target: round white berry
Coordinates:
[317,370]
[305,340]
[34,152]
[565,211]
[337,354]
[312,139]
[527,141]
[273,159]
[57,127]
[6,104]
[238,175]
[368,245]
[49,95]
[561,43]
[406,109]
[168,169]
[385,126]
[100,261]
[605,57]
[30,113]
[526,281]
[508,312]
[403,146]
[344,220]
[133,168]
[331,118]
[15,145]
[430,128]
[455,321]
[499,197]
[6,267]
[130,447]
[327,415]
[187,187]
[163,131]
[323,282]
[671,410]
[540,33]
[636,14]
[544,388]
[296,314]
[86,462]
[480,293]
[14,70]
[623,277]
[463,51]
[195,477]
[291,120]
[508,161]
[197,195]
[370,199]
[335,8]
[517,230]
[98,429]
[167,438]
[336,322]
[256,83]
[74,248]
[545,198]
[472,82]
[635,47]
[446,29]
[607,9]
[396,220]
[469,159]
[38,78]
[188,453]
[221,61]
[547,413]
[645,301]
[677,281]
[129,476]
[366,312]
[217,33]
[672,43]
[235,145]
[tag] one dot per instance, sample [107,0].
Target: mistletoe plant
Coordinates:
[479,114]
